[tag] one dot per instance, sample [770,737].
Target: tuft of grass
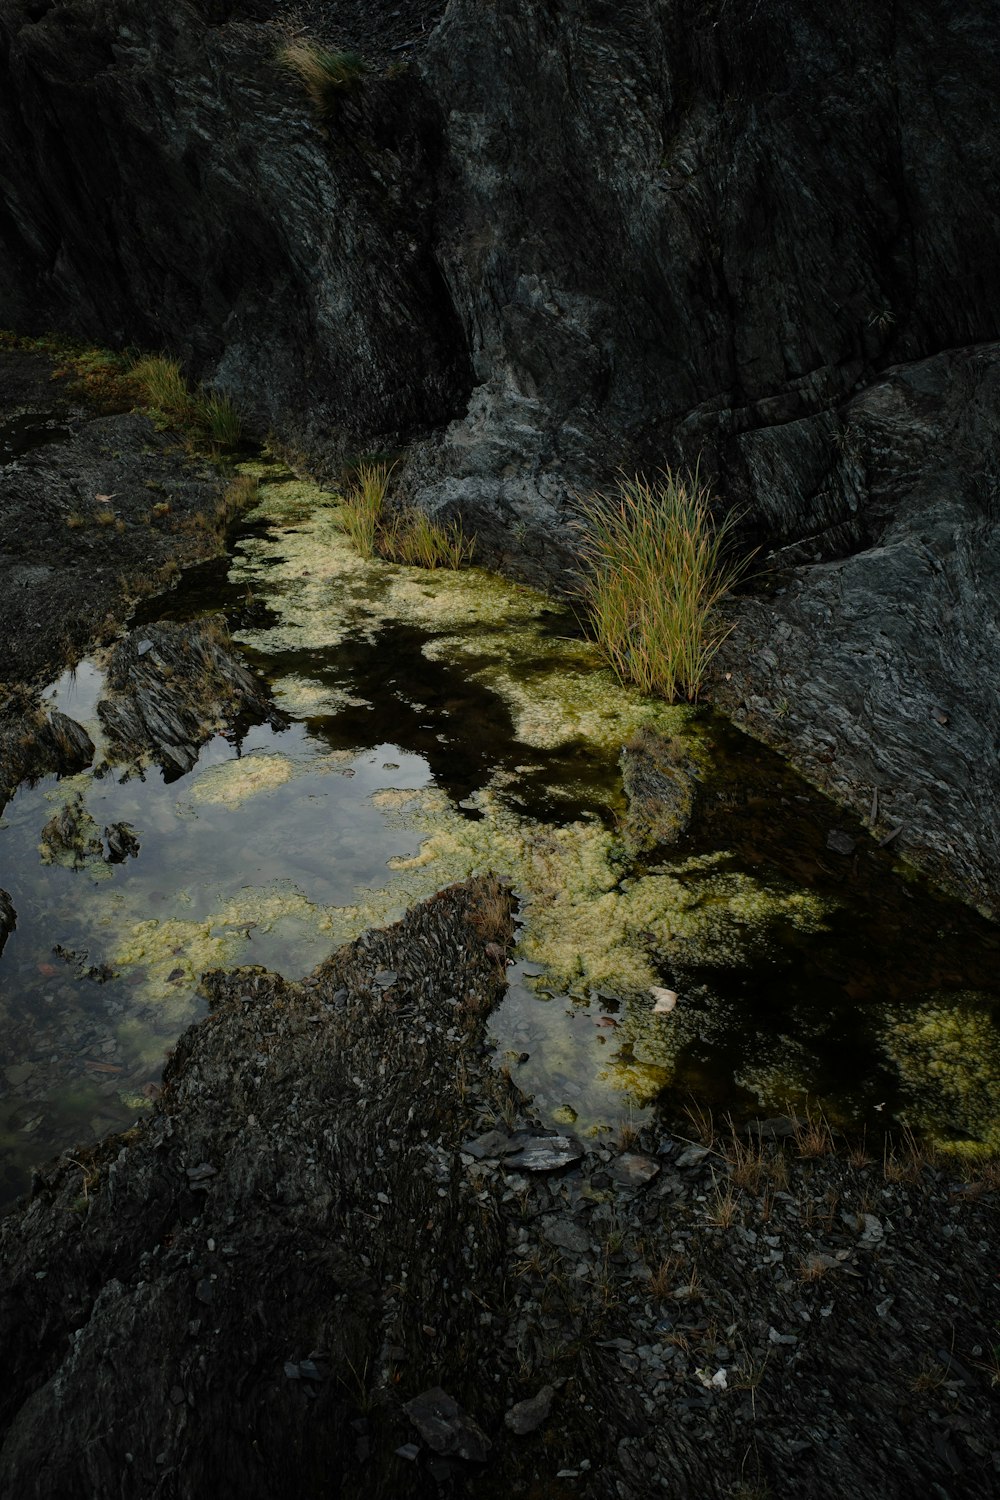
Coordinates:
[160,384]
[663,1277]
[419,541]
[813,1136]
[324,74]
[724,1207]
[240,494]
[657,570]
[220,416]
[490,912]
[362,504]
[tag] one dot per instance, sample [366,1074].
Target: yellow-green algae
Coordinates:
[175,950]
[947,1051]
[234,781]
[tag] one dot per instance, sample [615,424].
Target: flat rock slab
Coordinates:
[546,1154]
[445,1427]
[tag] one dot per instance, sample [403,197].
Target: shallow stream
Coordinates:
[441,724]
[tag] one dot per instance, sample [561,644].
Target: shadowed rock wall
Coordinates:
[575,236]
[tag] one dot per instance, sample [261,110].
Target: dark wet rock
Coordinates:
[120,842]
[631,1170]
[872,635]
[545,1154]
[36,743]
[173,686]
[445,1427]
[68,562]
[840,842]
[8,918]
[72,747]
[660,789]
[527,1416]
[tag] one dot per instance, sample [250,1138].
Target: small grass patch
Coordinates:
[658,567]
[325,75]
[418,541]
[220,416]
[361,507]
[159,383]
[409,536]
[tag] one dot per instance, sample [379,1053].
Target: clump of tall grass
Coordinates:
[324,74]
[410,537]
[220,416]
[658,567]
[161,384]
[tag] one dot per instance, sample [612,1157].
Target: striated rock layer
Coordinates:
[560,239]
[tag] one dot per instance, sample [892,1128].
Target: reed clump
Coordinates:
[658,566]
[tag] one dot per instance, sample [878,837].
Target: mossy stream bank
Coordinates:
[349,1156]
[437,725]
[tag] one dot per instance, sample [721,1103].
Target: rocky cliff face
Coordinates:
[569,237]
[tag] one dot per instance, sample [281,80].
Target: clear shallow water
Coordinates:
[441,725]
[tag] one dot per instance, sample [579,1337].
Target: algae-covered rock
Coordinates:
[71,836]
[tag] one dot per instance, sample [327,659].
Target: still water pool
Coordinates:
[440,724]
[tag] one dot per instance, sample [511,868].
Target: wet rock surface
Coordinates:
[172,687]
[99,514]
[88,521]
[8,918]
[872,667]
[297,1276]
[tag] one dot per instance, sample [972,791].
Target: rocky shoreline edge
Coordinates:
[342,1255]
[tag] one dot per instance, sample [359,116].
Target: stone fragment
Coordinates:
[445,1427]
[567,1235]
[528,1415]
[692,1156]
[632,1170]
[840,842]
[493,1143]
